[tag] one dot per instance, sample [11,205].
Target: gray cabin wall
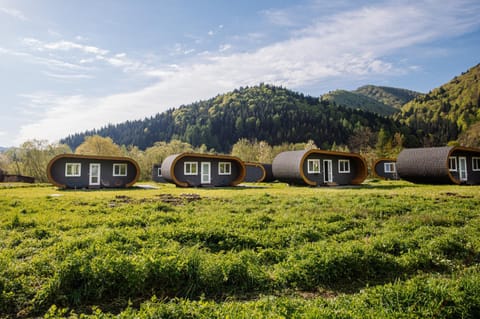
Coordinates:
[107,180]
[215,178]
[473,177]
[338,178]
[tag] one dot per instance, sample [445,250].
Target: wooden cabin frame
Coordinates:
[319,168]
[207,170]
[440,165]
[89,171]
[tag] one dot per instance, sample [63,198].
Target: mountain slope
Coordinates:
[445,112]
[360,101]
[390,96]
[273,114]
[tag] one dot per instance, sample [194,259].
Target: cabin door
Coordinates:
[94,179]
[462,168]
[327,171]
[205,173]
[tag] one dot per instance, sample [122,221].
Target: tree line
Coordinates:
[32,157]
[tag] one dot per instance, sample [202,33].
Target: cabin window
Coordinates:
[313,166]
[452,163]
[159,172]
[476,164]
[224,168]
[344,166]
[190,168]
[120,169]
[73,169]
[390,168]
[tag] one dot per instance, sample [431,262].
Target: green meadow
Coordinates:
[381,250]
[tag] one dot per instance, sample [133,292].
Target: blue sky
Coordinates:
[70,66]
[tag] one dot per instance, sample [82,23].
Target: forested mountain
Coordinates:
[446,112]
[358,101]
[277,115]
[264,112]
[393,97]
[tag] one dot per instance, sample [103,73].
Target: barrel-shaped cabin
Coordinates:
[258,172]
[89,171]
[319,168]
[157,174]
[440,165]
[207,170]
[386,168]
[15,178]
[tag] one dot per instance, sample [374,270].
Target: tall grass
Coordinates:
[383,250]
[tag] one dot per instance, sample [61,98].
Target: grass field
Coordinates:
[381,250]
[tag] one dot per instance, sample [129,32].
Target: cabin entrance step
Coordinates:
[331,184]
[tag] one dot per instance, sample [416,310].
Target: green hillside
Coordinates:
[264,112]
[390,96]
[445,112]
[358,101]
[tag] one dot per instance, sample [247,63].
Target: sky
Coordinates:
[72,66]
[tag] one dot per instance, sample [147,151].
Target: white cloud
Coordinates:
[348,45]
[224,47]
[14,13]
[68,45]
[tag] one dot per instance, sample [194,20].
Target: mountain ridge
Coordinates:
[278,115]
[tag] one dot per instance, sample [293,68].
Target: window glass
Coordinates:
[344,166]
[190,168]
[452,163]
[390,168]
[476,163]
[313,166]
[120,169]
[72,169]
[224,168]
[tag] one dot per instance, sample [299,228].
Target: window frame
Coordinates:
[476,164]
[190,165]
[120,166]
[78,174]
[389,165]
[450,168]
[346,168]
[159,172]
[313,162]
[225,171]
